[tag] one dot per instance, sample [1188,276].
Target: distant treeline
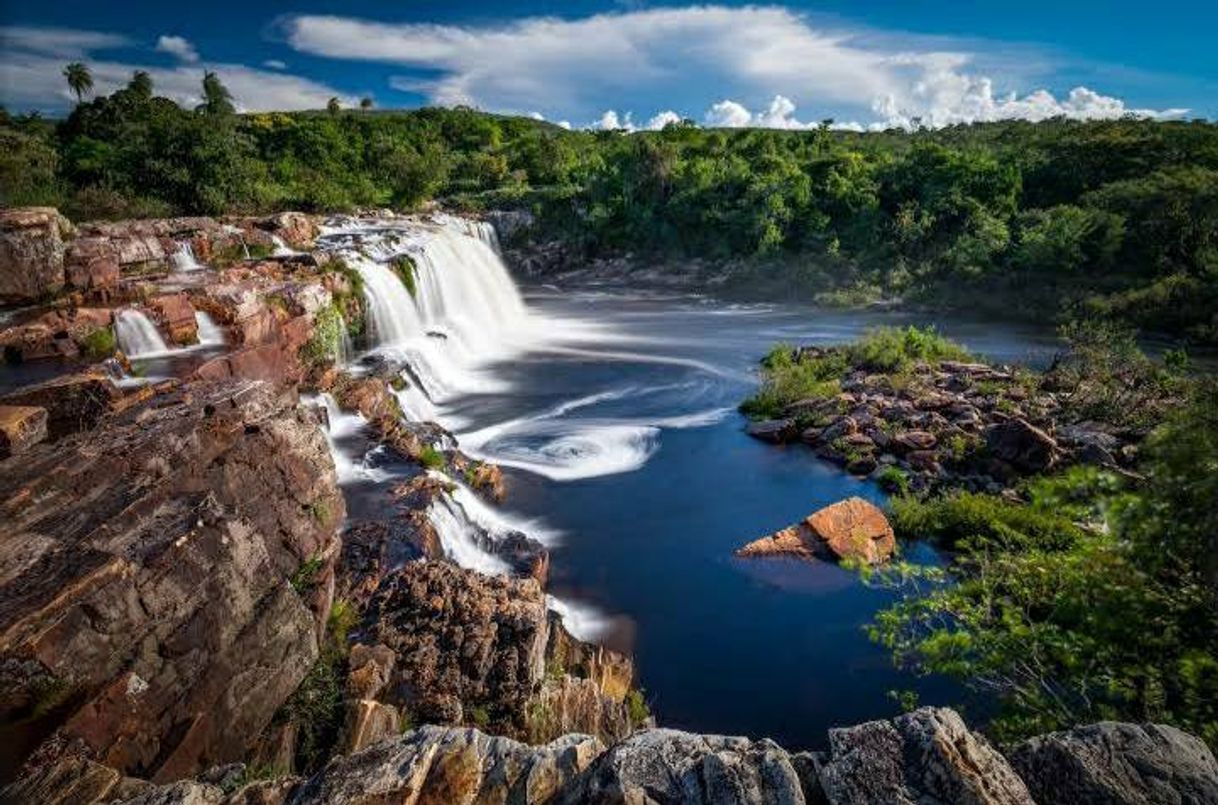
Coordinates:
[1046,220]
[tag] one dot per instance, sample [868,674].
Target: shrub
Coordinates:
[974,519]
[431,458]
[787,379]
[636,707]
[893,480]
[305,577]
[326,343]
[99,344]
[890,349]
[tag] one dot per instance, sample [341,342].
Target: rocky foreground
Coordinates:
[187,615]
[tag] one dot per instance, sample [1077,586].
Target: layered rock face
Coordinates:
[149,616]
[31,253]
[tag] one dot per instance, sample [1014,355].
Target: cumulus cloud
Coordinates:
[671,57]
[178,47]
[31,66]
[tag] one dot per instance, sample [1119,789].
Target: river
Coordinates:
[613,413]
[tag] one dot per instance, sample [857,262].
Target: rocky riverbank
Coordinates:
[190,615]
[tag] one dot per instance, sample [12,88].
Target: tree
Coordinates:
[216,98]
[333,107]
[141,84]
[365,103]
[80,80]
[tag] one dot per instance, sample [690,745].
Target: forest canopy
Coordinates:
[1041,220]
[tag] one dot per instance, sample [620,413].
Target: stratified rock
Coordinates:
[153,605]
[31,253]
[91,262]
[668,766]
[177,315]
[1022,445]
[852,528]
[775,431]
[437,765]
[73,402]
[295,228]
[927,756]
[21,427]
[1118,764]
[479,640]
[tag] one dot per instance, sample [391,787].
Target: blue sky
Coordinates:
[639,63]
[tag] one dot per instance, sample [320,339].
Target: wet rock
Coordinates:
[154,576]
[851,528]
[1122,764]
[775,431]
[177,316]
[1022,445]
[444,765]
[21,427]
[31,253]
[928,755]
[668,766]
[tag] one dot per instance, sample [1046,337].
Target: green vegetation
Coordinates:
[99,344]
[480,717]
[1112,218]
[326,343]
[636,707]
[404,266]
[791,376]
[1094,598]
[305,577]
[431,458]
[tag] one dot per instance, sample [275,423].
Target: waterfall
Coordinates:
[281,249]
[459,538]
[183,259]
[137,335]
[210,333]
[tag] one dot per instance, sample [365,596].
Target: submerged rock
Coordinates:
[848,529]
[1121,764]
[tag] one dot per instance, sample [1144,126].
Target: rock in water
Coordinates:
[1121,764]
[669,766]
[848,529]
[775,431]
[927,756]
[154,606]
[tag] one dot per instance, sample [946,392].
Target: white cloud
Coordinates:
[31,75]
[275,64]
[662,119]
[178,47]
[673,57]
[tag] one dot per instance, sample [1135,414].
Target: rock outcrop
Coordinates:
[21,427]
[152,611]
[928,755]
[848,529]
[31,253]
[1121,764]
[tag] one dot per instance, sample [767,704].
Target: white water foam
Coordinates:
[343,425]
[581,620]
[137,336]
[210,333]
[281,249]
[183,260]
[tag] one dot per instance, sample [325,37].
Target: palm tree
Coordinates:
[80,80]
[141,84]
[216,98]
[333,107]
[365,103]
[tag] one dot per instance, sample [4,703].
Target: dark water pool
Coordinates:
[761,647]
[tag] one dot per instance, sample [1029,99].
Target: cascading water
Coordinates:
[183,260]
[210,333]
[137,336]
[281,249]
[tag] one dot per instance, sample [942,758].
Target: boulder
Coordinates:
[912,440]
[927,756]
[295,228]
[1022,445]
[436,765]
[774,431]
[177,316]
[31,253]
[1121,764]
[155,608]
[669,766]
[21,427]
[91,262]
[851,528]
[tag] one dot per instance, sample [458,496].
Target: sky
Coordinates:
[637,64]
